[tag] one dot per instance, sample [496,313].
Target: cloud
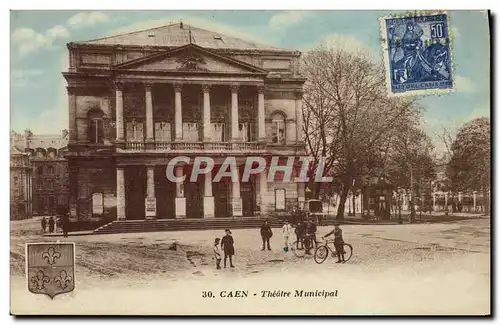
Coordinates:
[57,31]
[22,78]
[28,40]
[87,18]
[286,19]
[464,84]
[347,43]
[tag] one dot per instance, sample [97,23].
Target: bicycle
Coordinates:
[321,252]
[306,246]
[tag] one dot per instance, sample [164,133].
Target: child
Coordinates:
[287,229]
[217,253]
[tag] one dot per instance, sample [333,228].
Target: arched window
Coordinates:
[96,129]
[278,128]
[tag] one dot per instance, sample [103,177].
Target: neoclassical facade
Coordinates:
[138,100]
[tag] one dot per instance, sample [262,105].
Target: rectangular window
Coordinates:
[96,131]
[218,133]
[246,131]
[190,132]
[135,131]
[163,131]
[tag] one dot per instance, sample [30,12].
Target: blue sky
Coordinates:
[38,53]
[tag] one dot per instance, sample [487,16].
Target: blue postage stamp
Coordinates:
[417,54]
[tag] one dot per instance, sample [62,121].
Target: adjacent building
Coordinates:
[39,173]
[140,99]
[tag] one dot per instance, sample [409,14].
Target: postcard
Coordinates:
[241,163]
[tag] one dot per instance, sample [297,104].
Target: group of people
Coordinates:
[62,221]
[305,234]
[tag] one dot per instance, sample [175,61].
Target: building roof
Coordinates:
[43,141]
[16,152]
[180,34]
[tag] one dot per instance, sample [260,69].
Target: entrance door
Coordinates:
[221,198]
[248,198]
[135,192]
[165,194]
[194,203]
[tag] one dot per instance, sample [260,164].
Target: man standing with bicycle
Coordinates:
[310,239]
[338,242]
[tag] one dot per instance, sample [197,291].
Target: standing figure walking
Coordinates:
[287,230]
[266,233]
[227,245]
[51,225]
[44,224]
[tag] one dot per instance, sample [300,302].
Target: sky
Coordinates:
[39,54]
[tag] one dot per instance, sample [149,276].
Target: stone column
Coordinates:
[206,112]
[235,131]
[120,134]
[236,200]
[120,193]
[298,116]
[263,192]
[208,199]
[150,193]
[180,200]
[178,112]
[149,114]
[261,114]
[73,132]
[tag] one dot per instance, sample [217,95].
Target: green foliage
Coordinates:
[469,166]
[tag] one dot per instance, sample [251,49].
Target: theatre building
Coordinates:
[138,100]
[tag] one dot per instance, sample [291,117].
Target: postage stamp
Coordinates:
[50,268]
[417,54]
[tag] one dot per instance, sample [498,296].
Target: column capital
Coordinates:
[148,86]
[234,88]
[298,94]
[206,88]
[261,88]
[178,87]
[118,85]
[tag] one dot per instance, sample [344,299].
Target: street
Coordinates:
[395,269]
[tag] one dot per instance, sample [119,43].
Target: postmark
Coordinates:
[50,268]
[417,53]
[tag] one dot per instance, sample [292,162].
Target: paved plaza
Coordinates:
[391,263]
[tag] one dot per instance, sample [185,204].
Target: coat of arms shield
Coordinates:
[50,268]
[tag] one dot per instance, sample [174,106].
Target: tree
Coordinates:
[469,166]
[347,114]
[410,163]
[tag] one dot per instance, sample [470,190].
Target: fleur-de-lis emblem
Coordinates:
[63,278]
[51,255]
[39,280]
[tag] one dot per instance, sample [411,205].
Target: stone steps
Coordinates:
[135,226]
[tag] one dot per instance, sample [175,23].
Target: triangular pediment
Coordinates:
[190,58]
